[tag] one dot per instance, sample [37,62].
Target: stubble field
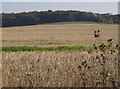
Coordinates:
[93,68]
[58,34]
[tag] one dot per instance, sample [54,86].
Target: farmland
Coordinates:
[58,69]
[59,55]
[58,34]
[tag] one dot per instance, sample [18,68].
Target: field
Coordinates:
[58,34]
[59,55]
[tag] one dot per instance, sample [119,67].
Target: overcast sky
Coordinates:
[97,7]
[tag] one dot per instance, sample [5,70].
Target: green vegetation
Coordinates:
[34,18]
[36,48]
[58,48]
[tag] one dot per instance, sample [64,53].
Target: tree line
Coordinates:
[36,17]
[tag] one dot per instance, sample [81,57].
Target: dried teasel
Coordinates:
[94,44]
[89,51]
[104,59]
[95,47]
[84,62]
[89,67]
[110,41]
[97,34]
[112,51]
[117,45]
[85,65]
[79,67]
[102,55]
[98,30]
[102,47]
[97,57]
[109,45]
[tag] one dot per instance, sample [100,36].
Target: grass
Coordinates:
[36,48]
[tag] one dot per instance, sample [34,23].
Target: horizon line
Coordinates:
[59,10]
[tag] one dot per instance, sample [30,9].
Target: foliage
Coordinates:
[36,48]
[32,18]
[58,48]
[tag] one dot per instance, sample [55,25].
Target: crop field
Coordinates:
[60,55]
[59,69]
[58,34]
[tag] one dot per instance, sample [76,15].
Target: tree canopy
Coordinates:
[35,17]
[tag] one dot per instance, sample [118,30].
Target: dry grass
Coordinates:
[58,34]
[94,68]
[58,69]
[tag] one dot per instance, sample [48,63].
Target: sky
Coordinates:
[59,0]
[96,7]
